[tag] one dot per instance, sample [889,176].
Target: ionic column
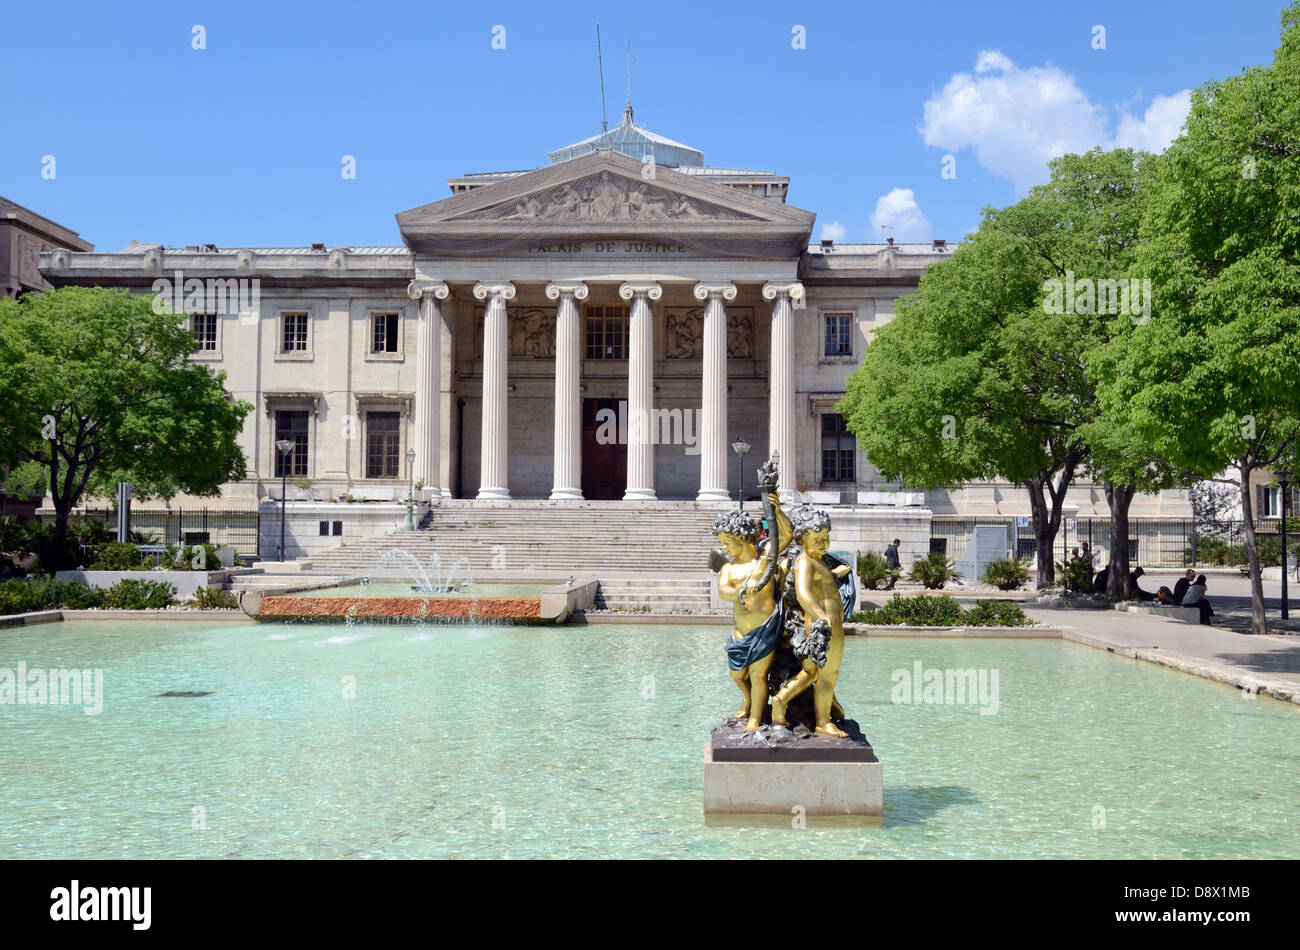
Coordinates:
[713,401]
[493,477]
[640,391]
[567,483]
[785,296]
[428,381]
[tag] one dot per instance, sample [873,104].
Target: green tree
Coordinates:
[102,389]
[980,376]
[1212,382]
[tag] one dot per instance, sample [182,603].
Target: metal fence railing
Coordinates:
[219,526]
[1153,542]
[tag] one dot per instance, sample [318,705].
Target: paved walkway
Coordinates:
[1267,664]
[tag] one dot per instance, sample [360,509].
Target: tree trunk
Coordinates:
[1258,620]
[1119,586]
[1045,525]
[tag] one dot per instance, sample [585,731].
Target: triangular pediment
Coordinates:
[606,197]
[603,193]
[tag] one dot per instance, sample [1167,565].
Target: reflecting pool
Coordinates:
[380,741]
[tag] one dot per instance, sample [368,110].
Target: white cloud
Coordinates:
[834,231]
[1159,125]
[900,216]
[1017,119]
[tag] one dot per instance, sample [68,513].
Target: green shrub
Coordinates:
[211,598]
[43,593]
[132,594]
[112,556]
[191,557]
[943,611]
[1074,575]
[933,571]
[873,570]
[1007,574]
[1216,552]
[51,557]
[13,535]
[996,613]
[923,611]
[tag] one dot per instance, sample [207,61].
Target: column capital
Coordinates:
[494,288]
[640,289]
[785,288]
[715,288]
[421,287]
[558,288]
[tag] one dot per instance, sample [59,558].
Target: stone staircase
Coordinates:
[687,595]
[604,538]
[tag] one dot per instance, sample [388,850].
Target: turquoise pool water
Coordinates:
[587,742]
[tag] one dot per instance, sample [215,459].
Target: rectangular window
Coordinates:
[293,425]
[383,333]
[838,339]
[839,448]
[607,333]
[383,445]
[205,330]
[1272,501]
[293,339]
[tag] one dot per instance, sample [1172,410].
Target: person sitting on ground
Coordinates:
[1137,589]
[1184,582]
[1102,577]
[1195,597]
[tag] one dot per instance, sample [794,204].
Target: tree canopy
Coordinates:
[100,388]
[1213,380]
[980,376]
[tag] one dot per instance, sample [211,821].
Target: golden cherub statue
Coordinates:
[790,606]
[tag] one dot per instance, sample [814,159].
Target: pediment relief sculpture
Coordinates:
[604,198]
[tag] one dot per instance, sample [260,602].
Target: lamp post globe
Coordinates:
[284,446]
[740,447]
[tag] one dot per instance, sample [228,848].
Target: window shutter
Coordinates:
[1259,502]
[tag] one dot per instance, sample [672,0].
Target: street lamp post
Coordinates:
[285,446]
[740,447]
[1284,480]
[410,490]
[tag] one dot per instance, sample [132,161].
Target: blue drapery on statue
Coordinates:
[848,586]
[756,644]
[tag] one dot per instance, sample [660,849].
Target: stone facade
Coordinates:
[602,327]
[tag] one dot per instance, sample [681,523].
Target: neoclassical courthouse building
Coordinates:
[603,327]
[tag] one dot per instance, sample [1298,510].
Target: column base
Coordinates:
[567,494]
[714,494]
[640,494]
[496,494]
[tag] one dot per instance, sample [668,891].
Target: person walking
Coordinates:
[891,558]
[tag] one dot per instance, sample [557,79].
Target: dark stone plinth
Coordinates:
[730,743]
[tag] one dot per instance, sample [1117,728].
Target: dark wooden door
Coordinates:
[604,453]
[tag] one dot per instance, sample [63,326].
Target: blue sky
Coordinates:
[242,143]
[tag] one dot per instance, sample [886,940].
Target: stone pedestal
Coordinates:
[774,773]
